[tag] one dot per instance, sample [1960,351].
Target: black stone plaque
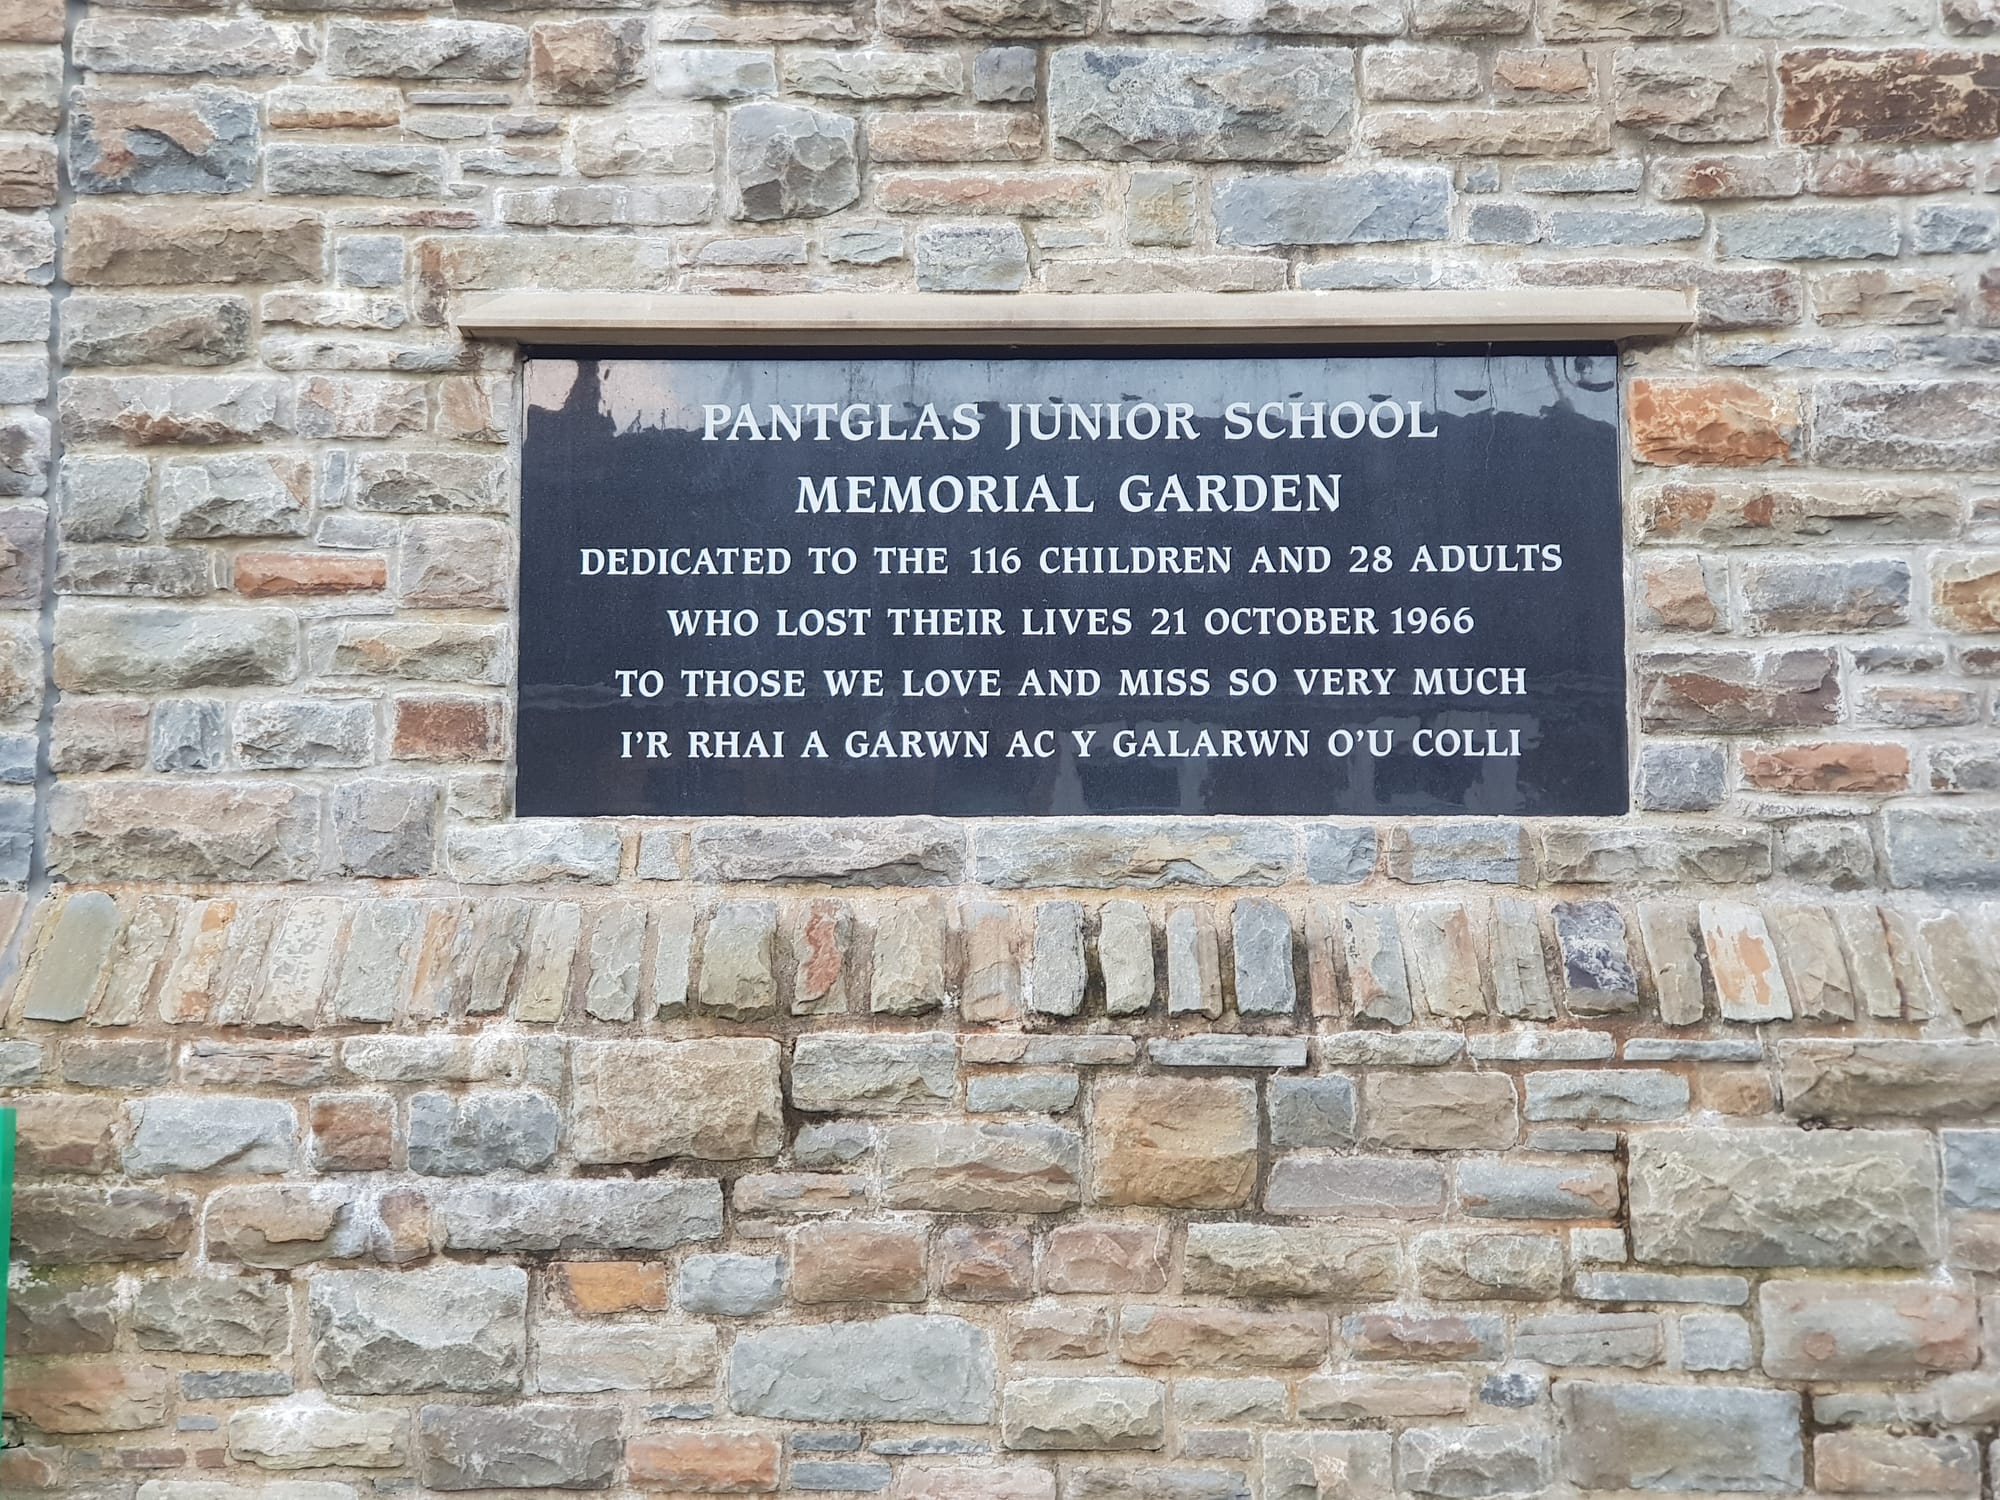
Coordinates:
[1073,583]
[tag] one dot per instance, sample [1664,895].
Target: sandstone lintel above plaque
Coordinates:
[847,318]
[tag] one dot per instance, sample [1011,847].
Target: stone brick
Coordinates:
[985,1265]
[1596,1095]
[1504,1188]
[1693,94]
[1733,692]
[1809,234]
[189,330]
[1468,1461]
[1213,1338]
[464,50]
[1724,421]
[529,1445]
[70,1225]
[972,258]
[1355,1186]
[453,1328]
[586,61]
[1529,130]
[1775,1197]
[1282,104]
[1438,1112]
[903,1368]
[262,575]
[1684,1438]
[1844,1081]
[725,1463]
[1084,1413]
[1600,20]
[1105,1258]
[1370,206]
[1846,1463]
[1311,1112]
[313,1433]
[146,411]
[1833,96]
[786,161]
[1182,1143]
[866,1074]
[1866,1331]
[716,1099]
[1926,425]
[76,1397]
[1478,1264]
[1259,1260]
[218,831]
[105,245]
[601,1288]
[849,1261]
[1018,1168]
[1825,767]
[230,1316]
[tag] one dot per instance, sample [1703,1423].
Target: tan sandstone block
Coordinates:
[1175,1143]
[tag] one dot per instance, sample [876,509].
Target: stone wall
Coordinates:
[375,1143]
[1138,1198]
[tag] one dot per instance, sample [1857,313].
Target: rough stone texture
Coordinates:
[903,1368]
[1662,1437]
[1283,104]
[462,1328]
[1848,1198]
[646,1101]
[550,1112]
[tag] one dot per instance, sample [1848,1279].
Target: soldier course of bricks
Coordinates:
[376,1144]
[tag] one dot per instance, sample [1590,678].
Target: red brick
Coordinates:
[1730,422]
[705,1463]
[1828,767]
[1832,95]
[449,728]
[260,574]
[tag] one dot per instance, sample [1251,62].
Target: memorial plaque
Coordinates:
[1073,583]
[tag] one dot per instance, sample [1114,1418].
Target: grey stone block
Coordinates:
[527,1445]
[904,1368]
[789,162]
[731,1286]
[1279,104]
[1780,1197]
[972,258]
[1680,1438]
[210,1133]
[1378,205]
[487,1131]
[450,1328]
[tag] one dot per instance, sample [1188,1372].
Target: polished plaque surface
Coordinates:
[1073,583]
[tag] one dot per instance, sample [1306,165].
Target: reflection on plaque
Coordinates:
[1344,584]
